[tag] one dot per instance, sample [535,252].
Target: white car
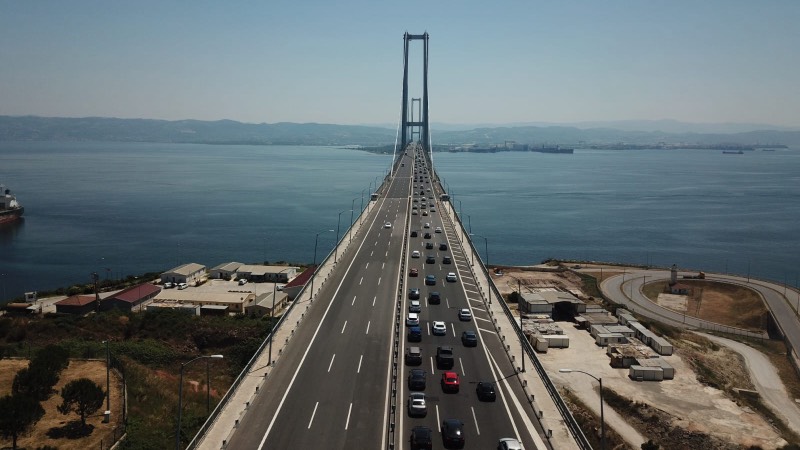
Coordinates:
[182,285]
[387,225]
[427,225]
[438,230]
[509,444]
[464,314]
[412,320]
[168,285]
[416,404]
[439,328]
[451,276]
[415,254]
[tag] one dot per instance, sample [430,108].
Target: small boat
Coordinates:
[733,152]
[10,209]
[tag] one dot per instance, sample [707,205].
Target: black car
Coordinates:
[469,338]
[485,391]
[416,380]
[453,433]
[446,260]
[414,233]
[427,236]
[421,438]
[429,246]
[430,260]
[413,294]
[430,280]
[415,334]
[443,246]
[434,298]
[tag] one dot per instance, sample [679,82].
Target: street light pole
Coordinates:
[602,418]
[180,396]
[108,377]
[272,316]
[338,220]
[352,208]
[314,274]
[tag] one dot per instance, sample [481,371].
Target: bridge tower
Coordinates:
[408,123]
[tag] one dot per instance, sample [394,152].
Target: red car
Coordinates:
[413,272]
[450,382]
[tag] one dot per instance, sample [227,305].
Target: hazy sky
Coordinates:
[341,61]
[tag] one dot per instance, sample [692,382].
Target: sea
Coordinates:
[124,209]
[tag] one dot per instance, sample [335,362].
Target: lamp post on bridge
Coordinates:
[486,246]
[352,208]
[338,221]
[314,274]
[602,419]
[272,316]
[362,205]
[180,395]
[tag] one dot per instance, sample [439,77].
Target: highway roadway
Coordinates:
[332,387]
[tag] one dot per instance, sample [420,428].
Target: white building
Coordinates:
[190,274]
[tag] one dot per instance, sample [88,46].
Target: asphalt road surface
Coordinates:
[332,386]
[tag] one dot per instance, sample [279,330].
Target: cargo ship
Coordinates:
[556,149]
[10,209]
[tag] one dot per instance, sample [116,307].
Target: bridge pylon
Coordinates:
[408,124]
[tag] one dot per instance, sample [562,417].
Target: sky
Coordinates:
[509,61]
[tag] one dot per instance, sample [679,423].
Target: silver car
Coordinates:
[416,405]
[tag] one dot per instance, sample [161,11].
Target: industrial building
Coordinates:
[190,274]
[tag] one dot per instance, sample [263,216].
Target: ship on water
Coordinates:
[10,209]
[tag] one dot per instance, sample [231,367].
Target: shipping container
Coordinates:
[557,340]
[604,339]
[661,346]
[640,373]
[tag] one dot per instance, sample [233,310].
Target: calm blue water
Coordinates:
[127,208]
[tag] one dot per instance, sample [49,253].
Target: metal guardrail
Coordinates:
[566,414]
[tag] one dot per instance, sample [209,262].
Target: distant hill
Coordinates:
[32,128]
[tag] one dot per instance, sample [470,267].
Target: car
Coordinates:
[443,246]
[416,380]
[387,225]
[182,285]
[427,236]
[414,207]
[429,246]
[414,233]
[416,405]
[434,298]
[450,382]
[414,306]
[413,356]
[412,320]
[446,260]
[444,357]
[439,328]
[427,225]
[509,444]
[423,206]
[451,277]
[416,254]
[415,334]
[469,338]
[485,391]
[430,259]
[424,213]
[453,433]
[433,209]
[421,438]
[242,281]
[416,200]
[413,294]
[430,280]
[414,213]
[413,272]
[464,315]
[168,285]
[437,230]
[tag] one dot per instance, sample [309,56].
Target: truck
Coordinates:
[699,276]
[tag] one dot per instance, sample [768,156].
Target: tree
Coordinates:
[18,413]
[82,396]
[38,379]
[650,445]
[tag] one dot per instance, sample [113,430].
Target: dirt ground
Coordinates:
[50,429]
[694,401]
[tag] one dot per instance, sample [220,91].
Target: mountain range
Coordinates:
[34,128]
